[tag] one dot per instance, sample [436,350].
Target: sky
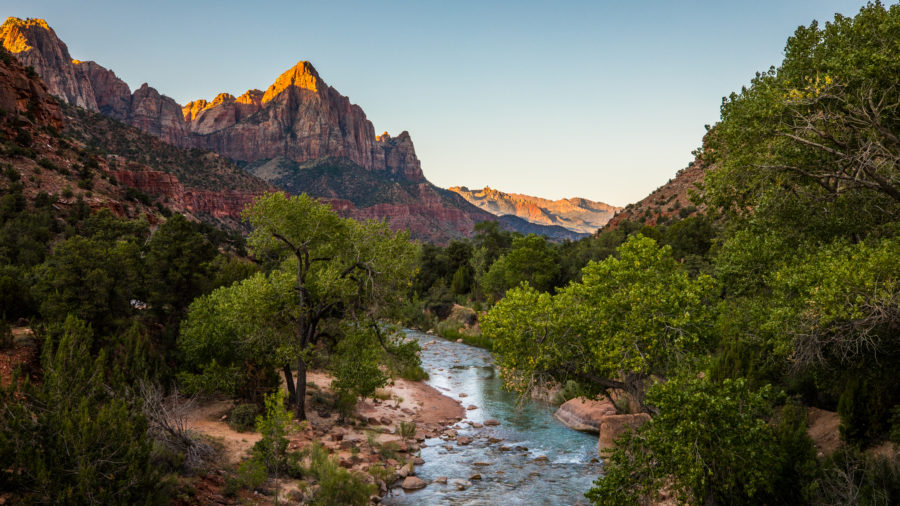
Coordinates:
[599,99]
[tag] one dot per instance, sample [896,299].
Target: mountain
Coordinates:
[576,214]
[670,201]
[80,158]
[311,136]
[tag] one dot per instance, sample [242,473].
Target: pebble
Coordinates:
[491,423]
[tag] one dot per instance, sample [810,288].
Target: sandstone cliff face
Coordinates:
[24,94]
[298,117]
[36,45]
[223,205]
[576,214]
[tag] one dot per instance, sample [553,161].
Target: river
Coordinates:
[512,470]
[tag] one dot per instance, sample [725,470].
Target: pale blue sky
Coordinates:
[601,99]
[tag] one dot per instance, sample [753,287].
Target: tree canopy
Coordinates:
[333,279]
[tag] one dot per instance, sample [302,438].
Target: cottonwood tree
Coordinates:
[335,277]
[630,318]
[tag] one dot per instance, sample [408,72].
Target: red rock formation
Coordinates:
[614,426]
[35,44]
[298,117]
[111,93]
[585,414]
[576,214]
[222,204]
[24,94]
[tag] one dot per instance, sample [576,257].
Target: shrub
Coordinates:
[251,474]
[90,448]
[243,417]
[336,484]
[6,337]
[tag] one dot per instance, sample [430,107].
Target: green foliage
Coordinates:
[72,438]
[730,457]
[636,315]
[251,475]
[233,339]
[336,484]
[356,364]
[406,430]
[93,279]
[851,477]
[243,417]
[531,260]
[273,424]
[6,336]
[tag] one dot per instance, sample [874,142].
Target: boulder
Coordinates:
[463,440]
[615,425]
[584,414]
[491,423]
[412,483]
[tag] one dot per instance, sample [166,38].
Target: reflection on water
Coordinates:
[510,473]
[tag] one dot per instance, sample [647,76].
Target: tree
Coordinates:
[531,259]
[177,261]
[629,318]
[820,127]
[75,438]
[333,275]
[93,279]
[709,444]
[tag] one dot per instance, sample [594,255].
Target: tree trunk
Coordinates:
[289,380]
[300,409]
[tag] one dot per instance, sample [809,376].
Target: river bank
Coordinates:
[506,449]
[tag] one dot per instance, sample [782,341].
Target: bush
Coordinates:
[242,417]
[336,484]
[251,475]
[90,448]
[6,337]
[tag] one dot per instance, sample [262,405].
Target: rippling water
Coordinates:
[527,428]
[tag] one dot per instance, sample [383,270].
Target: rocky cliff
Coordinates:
[298,117]
[300,135]
[576,214]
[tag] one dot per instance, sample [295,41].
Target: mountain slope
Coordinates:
[78,158]
[576,214]
[669,201]
[298,119]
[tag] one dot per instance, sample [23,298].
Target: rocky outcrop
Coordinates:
[585,414]
[599,416]
[36,45]
[614,426]
[298,117]
[575,214]
[225,204]
[24,94]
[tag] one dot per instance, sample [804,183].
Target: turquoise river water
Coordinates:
[509,469]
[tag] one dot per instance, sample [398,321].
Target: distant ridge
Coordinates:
[579,215]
